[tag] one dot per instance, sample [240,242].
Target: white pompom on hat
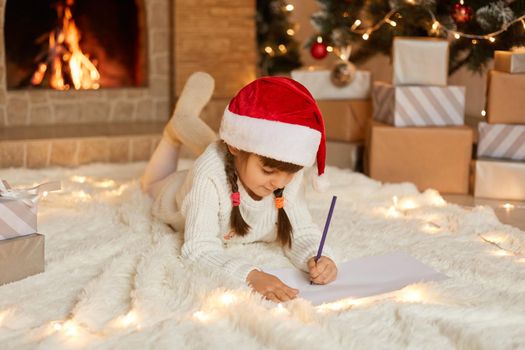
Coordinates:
[276,117]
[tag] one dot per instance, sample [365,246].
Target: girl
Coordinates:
[247,186]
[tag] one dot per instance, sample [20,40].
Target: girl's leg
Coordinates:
[184,127]
[162,163]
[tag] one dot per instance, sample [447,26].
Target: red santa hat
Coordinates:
[276,117]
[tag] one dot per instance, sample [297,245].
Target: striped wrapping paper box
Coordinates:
[418,105]
[17,217]
[18,208]
[501,141]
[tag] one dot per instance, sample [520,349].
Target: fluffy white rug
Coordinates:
[114,280]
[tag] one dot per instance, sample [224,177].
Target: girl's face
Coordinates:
[258,179]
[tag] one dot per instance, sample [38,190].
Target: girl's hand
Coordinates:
[323,272]
[270,286]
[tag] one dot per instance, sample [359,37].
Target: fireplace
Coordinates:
[159,43]
[127,42]
[74,44]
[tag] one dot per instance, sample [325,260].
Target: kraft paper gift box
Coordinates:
[506,98]
[501,141]
[18,209]
[21,257]
[418,105]
[345,120]
[499,179]
[509,61]
[433,157]
[318,82]
[420,61]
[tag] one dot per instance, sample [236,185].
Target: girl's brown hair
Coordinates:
[237,223]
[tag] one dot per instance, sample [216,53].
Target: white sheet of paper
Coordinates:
[362,277]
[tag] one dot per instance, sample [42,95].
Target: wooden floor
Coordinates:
[509,212]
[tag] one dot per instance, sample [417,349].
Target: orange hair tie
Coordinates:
[279,202]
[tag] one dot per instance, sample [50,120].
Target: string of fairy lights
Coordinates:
[281,48]
[435,27]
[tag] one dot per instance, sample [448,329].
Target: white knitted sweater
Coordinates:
[197,202]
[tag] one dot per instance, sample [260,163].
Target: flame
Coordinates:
[65,57]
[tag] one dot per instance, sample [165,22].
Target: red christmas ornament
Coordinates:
[318,50]
[461,13]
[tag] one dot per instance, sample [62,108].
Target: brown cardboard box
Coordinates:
[21,257]
[506,98]
[430,157]
[345,120]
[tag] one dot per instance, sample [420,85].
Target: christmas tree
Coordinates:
[278,50]
[475,28]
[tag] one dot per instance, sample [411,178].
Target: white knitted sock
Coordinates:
[185,126]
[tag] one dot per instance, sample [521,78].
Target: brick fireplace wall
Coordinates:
[218,37]
[41,128]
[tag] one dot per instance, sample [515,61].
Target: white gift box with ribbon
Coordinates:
[18,208]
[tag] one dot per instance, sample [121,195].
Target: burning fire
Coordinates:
[65,60]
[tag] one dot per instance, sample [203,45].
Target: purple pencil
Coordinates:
[325,231]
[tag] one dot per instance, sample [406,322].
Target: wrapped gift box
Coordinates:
[18,209]
[433,157]
[418,105]
[505,99]
[21,257]
[420,61]
[501,141]
[345,120]
[318,82]
[510,62]
[500,179]
[344,155]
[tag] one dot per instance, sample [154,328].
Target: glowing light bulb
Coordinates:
[474,41]
[366,36]
[435,25]
[282,48]
[44,194]
[508,206]
[457,36]
[483,113]
[79,179]
[3,316]
[70,328]
[290,32]
[392,23]
[523,23]
[289,7]
[129,319]
[329,49]
[319,39]
[280,310]
[268,50]
[356,24]
[201,316]
[227,298]
[411,295]
[407,204]
[492,39]
[501,253]
[57,326]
